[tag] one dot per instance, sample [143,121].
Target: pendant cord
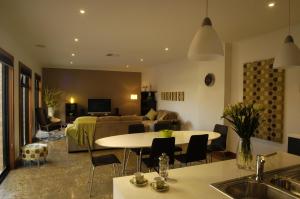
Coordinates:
[289,17]
[206,12]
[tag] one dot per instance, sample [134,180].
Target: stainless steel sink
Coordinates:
[286,179]
[277,184]
[287,184]
[246,188]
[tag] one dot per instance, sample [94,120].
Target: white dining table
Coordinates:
[144,140]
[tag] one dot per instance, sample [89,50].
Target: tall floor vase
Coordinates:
[50,112]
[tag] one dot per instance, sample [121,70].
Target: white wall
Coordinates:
[8,43]
[202,106]
[258,48]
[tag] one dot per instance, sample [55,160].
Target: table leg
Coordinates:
[140,161]
[124,161]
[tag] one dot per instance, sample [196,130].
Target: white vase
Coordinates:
[50,112]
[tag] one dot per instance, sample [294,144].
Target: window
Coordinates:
[6,114]
[25,111]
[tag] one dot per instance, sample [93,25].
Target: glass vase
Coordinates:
[244,155]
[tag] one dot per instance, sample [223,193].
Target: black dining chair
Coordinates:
[218,144]
[196,150]
[137,128]
[100,161]
[158,147]
[162,125]
[166,125]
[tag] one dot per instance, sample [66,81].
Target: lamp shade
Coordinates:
[206,44]
[288,55]
[133,96]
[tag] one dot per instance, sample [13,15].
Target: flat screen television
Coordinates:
[99,106]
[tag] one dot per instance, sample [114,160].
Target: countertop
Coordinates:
[194,181]
[294,135]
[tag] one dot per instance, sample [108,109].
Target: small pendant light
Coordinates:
[289,53]
[206,45]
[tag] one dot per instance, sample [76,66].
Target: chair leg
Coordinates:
[118,170]
[89,180]
[114,167]
[127,159]
[140,161]
[137,163]
[124,161]
[91,185]
[211,157]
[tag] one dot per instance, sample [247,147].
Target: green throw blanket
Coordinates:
[81,125]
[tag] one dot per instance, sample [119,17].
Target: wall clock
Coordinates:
[209,79]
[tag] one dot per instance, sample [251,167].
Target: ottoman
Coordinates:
[34,152]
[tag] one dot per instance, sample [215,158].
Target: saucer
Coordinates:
[163,189]
[133,181]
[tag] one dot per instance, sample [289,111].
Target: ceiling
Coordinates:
[134,29]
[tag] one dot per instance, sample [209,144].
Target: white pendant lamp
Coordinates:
[206,45]
[289,53]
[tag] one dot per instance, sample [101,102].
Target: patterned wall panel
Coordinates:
[265,85]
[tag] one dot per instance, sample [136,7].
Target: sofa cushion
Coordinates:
[161,115]
[170,116]
[151,114]
[108,118]
[130,118]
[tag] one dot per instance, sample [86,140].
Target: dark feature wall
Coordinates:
[85,84]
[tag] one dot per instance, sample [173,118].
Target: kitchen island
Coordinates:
[193,182]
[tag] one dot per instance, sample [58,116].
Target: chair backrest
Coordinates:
[162,125]
[221,141]
[197,148]
[89,145]
[136,128]
[162,145]
[41,116]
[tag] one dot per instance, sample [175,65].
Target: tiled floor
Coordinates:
[64,176]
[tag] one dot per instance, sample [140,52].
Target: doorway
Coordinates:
[6,117]
[37,96]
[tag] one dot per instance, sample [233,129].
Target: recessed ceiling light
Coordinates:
[73,54]
[82,11]
[71,62]
[127,66]
[76,39]
[141,59]
[166,49]
[271,4]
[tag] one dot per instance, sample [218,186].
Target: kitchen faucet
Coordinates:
[260,165]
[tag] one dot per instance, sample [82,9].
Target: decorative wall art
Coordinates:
[172,96]
[264,85]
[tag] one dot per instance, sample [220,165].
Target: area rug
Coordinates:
[50,136]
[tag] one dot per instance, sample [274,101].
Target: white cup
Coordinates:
[139,177]
[160,182]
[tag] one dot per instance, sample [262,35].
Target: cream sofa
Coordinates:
[106,126]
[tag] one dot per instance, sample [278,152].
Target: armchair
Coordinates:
[44,122]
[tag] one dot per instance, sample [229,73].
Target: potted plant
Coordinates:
[245,119]
[51,99]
